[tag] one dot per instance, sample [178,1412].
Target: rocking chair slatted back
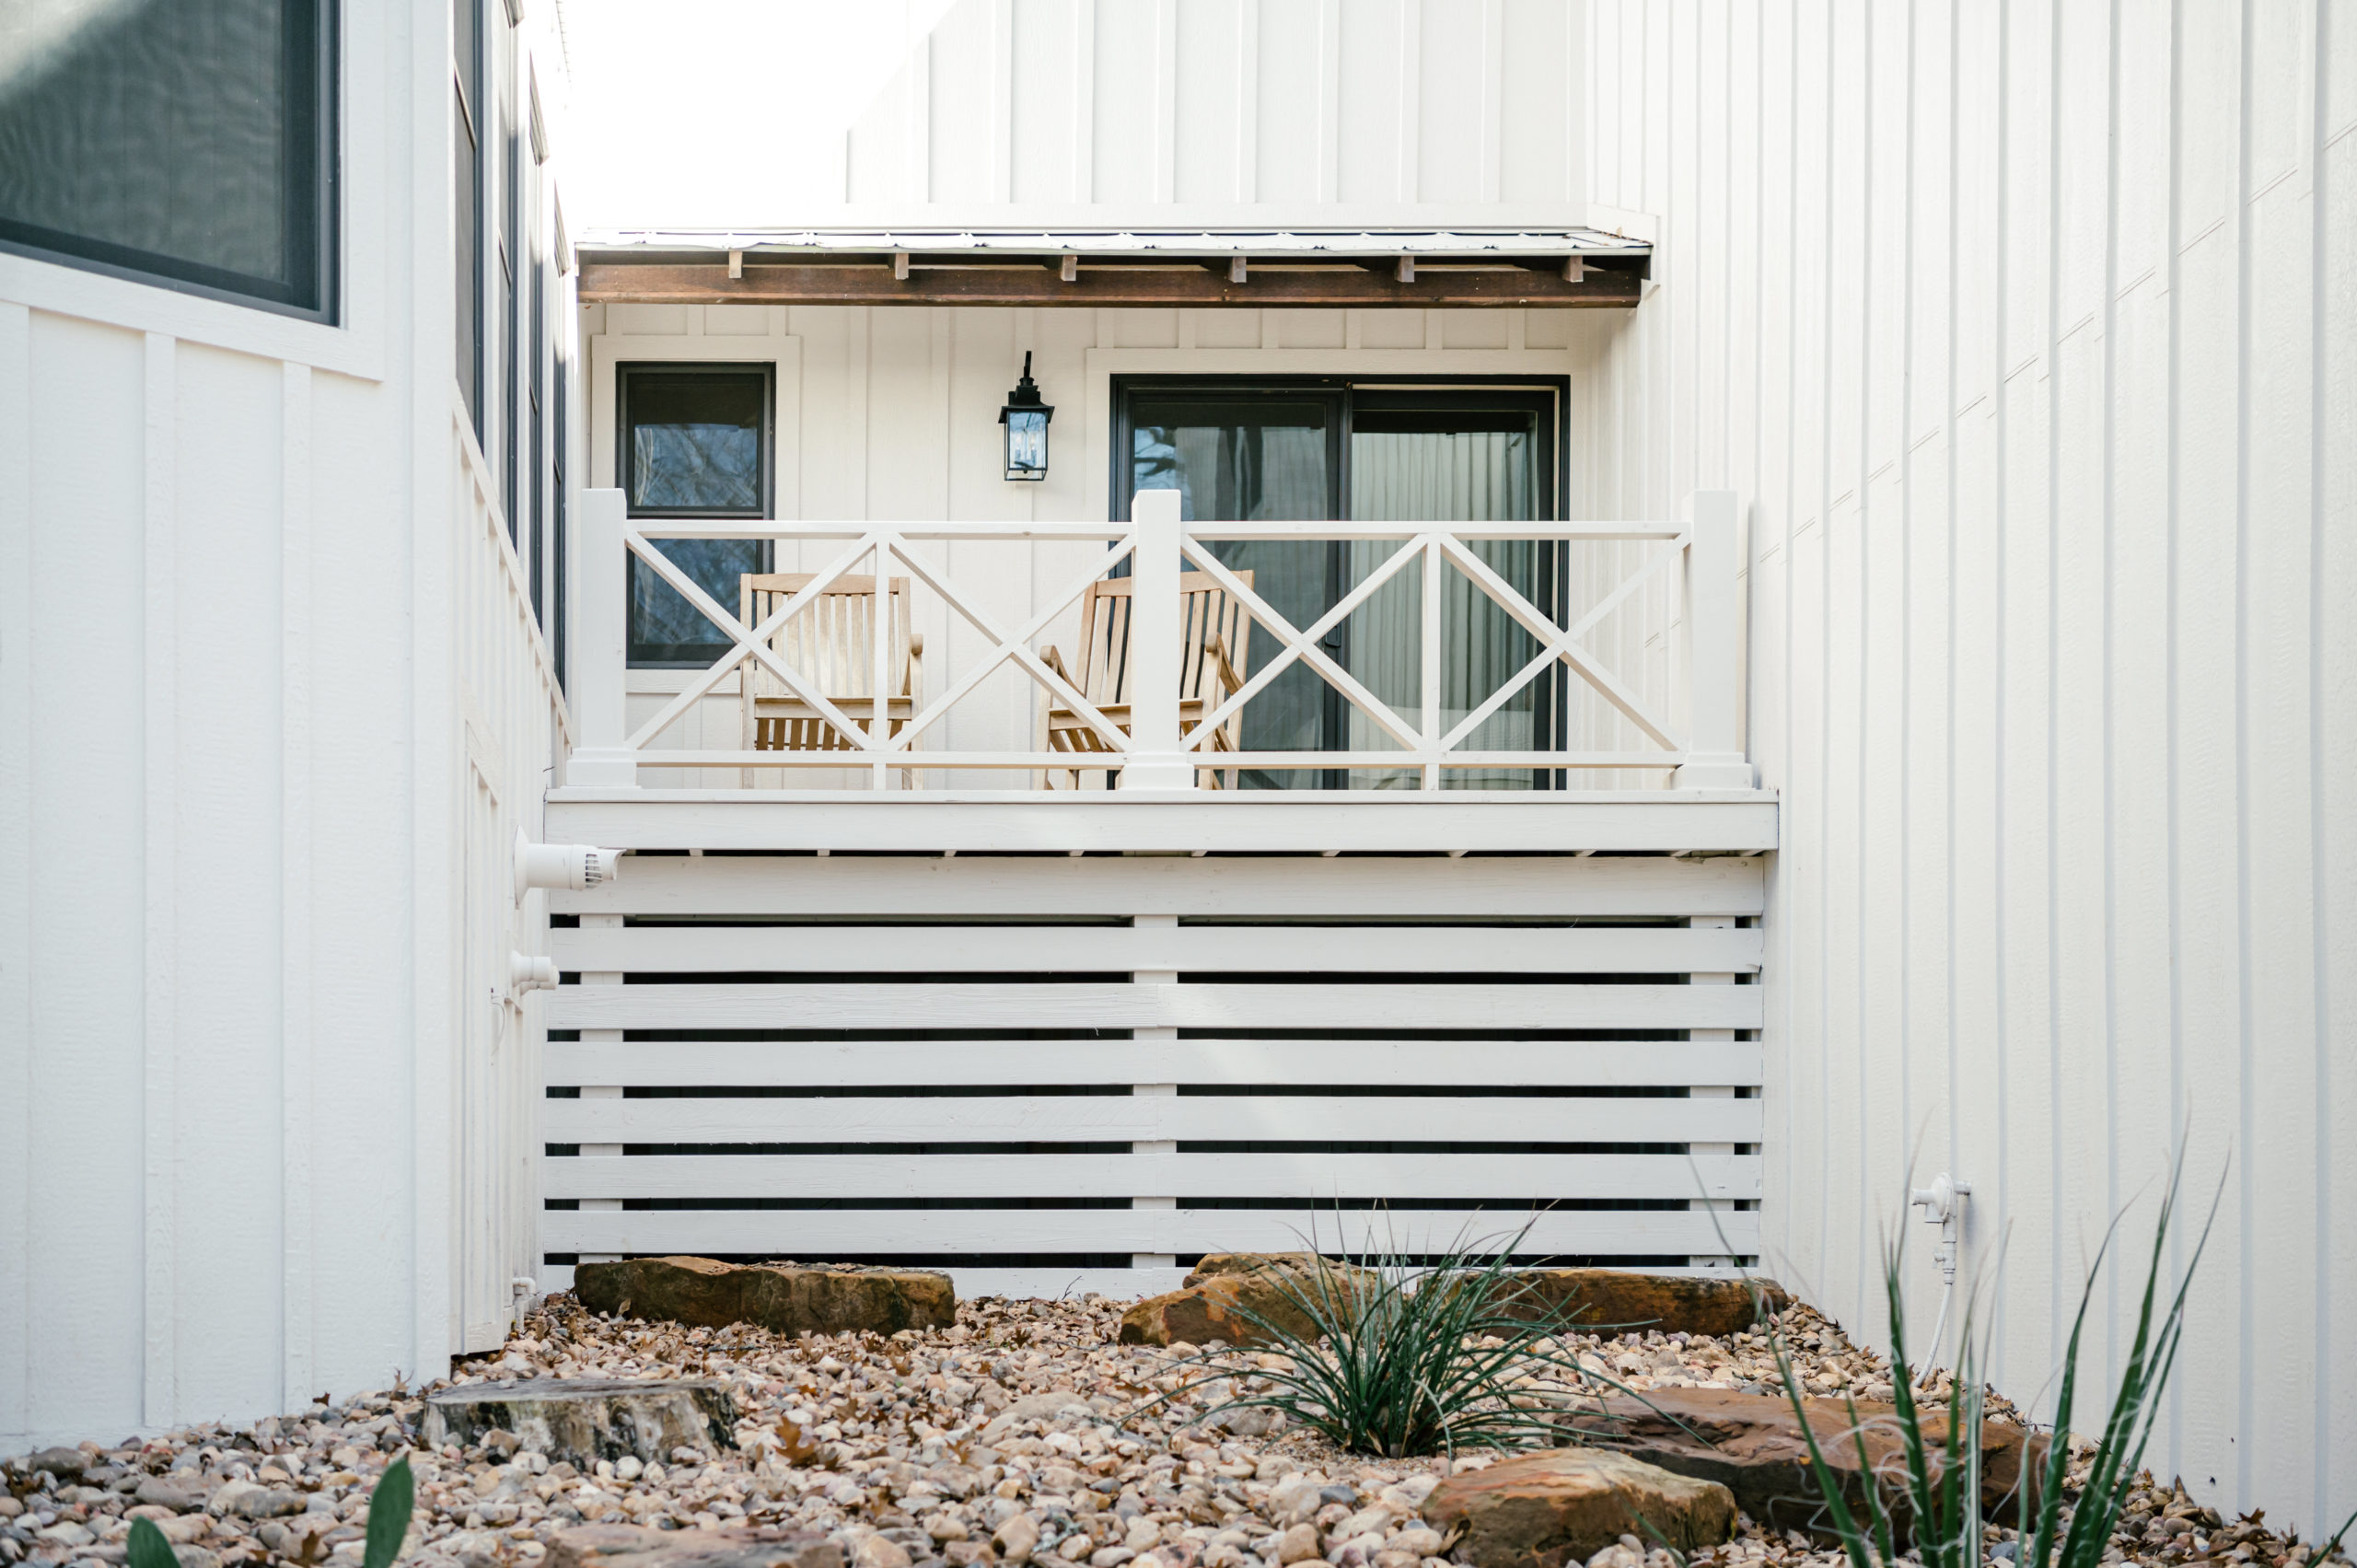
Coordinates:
[830,642]
[1213,632]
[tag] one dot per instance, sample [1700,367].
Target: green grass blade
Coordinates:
[388,1511]
[148,1549]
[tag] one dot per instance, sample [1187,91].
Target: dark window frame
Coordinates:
[1389,393]
[467,198]
[313,140]
[625,472]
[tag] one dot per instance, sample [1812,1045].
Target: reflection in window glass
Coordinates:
[186,140]
[1240,460]
[696,444]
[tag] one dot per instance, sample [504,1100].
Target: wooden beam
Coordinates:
[1029,283]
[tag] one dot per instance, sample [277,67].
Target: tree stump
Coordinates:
[586,1419]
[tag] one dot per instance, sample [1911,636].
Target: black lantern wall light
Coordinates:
[1026,419]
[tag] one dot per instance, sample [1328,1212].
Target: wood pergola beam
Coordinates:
[1041,284]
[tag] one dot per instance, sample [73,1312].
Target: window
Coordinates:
[190,144]
[1270,451]
[507,279]
[695,443]
[466,198]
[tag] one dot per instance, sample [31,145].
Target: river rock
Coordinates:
[1752,1443]
[1606,1301]
[1564,1506]
[782,1297]
[1225,1291]
[584,1420]
[637,1546]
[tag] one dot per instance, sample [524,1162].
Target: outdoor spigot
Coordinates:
[1943,1205]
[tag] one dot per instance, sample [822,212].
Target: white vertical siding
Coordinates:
[2028,330]
[222,922]
[1238,107]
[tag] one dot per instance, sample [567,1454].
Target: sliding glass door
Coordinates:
[1323,450]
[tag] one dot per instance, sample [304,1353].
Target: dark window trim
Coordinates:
[317,140]
[624,457]
[1380,387]
[466,238]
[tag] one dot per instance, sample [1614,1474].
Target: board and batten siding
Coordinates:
[2030,331]
[260,635]
[1263,110]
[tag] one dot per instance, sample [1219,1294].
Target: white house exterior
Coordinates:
[276,702]
[1933,417]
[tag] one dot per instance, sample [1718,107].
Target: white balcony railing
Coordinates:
[1678,719]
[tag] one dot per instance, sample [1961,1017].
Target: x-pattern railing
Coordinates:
[1428,738]
[1422,743]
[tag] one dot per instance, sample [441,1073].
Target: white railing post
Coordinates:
[600,638]
[1714,628]
[1156,761]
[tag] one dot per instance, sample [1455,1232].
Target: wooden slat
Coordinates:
[1136,1118]
[1104,286]
[712,950]
[1372,823]
[1297,887]
[856,1064]
[819,1234]
[1123,1006]
[1305,1176]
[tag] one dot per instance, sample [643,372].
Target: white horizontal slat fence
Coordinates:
[1042,1070]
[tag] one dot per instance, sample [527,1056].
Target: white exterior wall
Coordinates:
[1220,111]
[2028,329]
[257,611]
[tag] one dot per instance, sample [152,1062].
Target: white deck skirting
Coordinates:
[1371,822]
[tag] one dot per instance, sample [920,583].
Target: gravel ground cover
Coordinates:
[1012,1436]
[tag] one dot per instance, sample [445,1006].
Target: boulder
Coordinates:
[1609,1300]
[637,1546]
[1752,1443]
[582,1420]
[1564,1506]
[1214,1301]
[1218,1265]
[784,1298]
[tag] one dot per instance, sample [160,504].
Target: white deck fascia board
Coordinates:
[914,822]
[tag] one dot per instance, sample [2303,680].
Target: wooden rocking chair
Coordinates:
[830,643]
[1214,633]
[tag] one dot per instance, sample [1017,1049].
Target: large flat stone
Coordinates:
[1564,1506]
[784,1297]
[636,1546]
[1752,1443]
[584,1420]
[1613,1300]
[1214,1301]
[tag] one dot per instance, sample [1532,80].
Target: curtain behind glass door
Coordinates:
[1439,467]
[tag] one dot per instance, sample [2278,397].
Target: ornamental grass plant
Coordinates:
[1401,1355]
[1939,1499]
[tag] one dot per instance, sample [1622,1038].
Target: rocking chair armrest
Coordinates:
[914,685]
[1055,661]
[1228,678]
